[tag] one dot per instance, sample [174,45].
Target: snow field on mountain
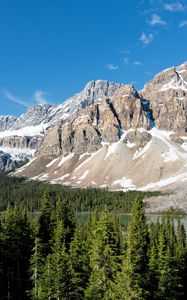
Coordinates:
[25,131]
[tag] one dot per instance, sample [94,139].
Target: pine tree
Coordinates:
[181,262]
[16,246]
[102,259]
[153,267]
[169,281]
[132,281]
[56,276]
[79,263]
[37,266]
[45,223]
[64,212]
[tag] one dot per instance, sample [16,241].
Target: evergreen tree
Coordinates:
[55,282]
[79,263]
[153,269]
[169,281]
[45,223]
[16,245]
[36,269]
[103,261]
[64,212]
[132,281]
[181,261]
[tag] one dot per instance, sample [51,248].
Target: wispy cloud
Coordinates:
[138,63]
[175,6]
[183,23]
[156,20]
[148,73]
[146,38]
[15,99]
[39,97]
[126,60]
[112,67]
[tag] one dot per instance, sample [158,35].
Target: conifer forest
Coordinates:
[45,253]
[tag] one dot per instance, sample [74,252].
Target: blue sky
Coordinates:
[51,48]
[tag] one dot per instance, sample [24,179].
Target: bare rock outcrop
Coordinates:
[167,93]
[20,142]
[7,122]
[103,122]
[8,163]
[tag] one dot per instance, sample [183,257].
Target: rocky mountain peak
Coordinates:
[7,122]
[94,91]
[35,115]
[100,88]
[167,93]
[172,78]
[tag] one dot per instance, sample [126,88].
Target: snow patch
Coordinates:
[175,85]
[142,151]
[126,95]
[26,131]
[171,155]
[113,147]
[82,155]
[85,161]
[65,158]
[184,146]
[130,145]
[161,134]
[25,166]
[62,177]
[84,175]
[164,182]
[18,151]
[52,162]
[124,182]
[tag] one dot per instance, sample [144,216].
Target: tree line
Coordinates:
[50,256]
[28,194]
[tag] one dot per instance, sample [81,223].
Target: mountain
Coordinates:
[23,135]
[6,122]
[109,135]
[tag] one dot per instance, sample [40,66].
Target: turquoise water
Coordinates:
[125,218]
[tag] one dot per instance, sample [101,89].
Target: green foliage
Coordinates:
[29,194]
[46,254]
[132,280]
[103,261]
[16,244]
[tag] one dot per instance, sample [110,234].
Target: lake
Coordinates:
[125,218]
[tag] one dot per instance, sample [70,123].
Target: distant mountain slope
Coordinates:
[26,131]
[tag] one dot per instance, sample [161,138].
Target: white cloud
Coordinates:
[146,39]
[147,73]
[112,67]
[126,60]
[183,23]
[156,20]
[39,97]
[175,6]
[13,98]
[138,63]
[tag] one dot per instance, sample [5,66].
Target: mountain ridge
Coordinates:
[111,135]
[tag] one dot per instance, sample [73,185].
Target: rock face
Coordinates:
[167,94]
[34,116]
[27,131]
[101,122]
[7,122]
[9,163]
[21,142]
